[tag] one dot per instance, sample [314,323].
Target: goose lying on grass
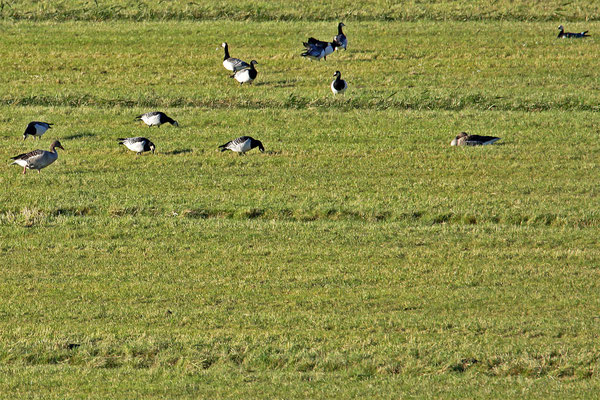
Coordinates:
[246,75]
[464,139]
[242,145]
[232,64]
[36,129]
[340,38]
[338,85]
[38,159]
[137,144]
[156,118]
[563,34]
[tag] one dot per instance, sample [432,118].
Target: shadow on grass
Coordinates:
[178,151]
[280,83]
[79,136]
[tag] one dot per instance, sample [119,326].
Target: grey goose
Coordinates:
[36,129]
[156,118]
[38,159]
[563,34]
[340,38]
[246,75]
[242,145]
[137,144]
[464,139]
[232,64]
[338,85]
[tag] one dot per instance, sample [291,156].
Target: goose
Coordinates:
[137,144]
[340,38]
[36,129]
[242,145]
[313,52]
[563,34]
[464,139]
[37,159]
[156,118]
[314,45]
[232,64]
[246,75]
[338,85]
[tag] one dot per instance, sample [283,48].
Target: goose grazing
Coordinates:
[242,145]
[38,159]
[340,38]
[246,75]
[156,118]
[464,139]
[338,85]
[232,64]
[563,34]
[36,129]
[314,46]
[137,144]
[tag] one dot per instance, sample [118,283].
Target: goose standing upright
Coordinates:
[38,159]
[246,75]
[242,145]
[232,64]
[137,144]
[156,118]
[464,139]
[36,129]
[563,34]
[338,85]
[340,38]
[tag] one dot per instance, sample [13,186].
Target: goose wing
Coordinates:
[315,43]
[31,156]
[237,64]
[473,140]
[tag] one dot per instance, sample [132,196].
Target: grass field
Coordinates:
[359,256]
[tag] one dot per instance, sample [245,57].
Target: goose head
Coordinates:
[152,147]
[456,140]
[260,146]
[337,74]
[56,144]
[253,62]
[560,28]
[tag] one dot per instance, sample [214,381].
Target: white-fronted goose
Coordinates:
[242,145]
[36,129]
[137,144]
[338,85]
[156,118]
[563,34]
[340,38]
[38,159]
[246,75]
[464,139]
[232,64]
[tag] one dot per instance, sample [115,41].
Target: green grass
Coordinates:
[261,10]
[359,256]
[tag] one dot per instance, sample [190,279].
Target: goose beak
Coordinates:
[60,147]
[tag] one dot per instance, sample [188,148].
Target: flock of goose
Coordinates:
[243,72]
